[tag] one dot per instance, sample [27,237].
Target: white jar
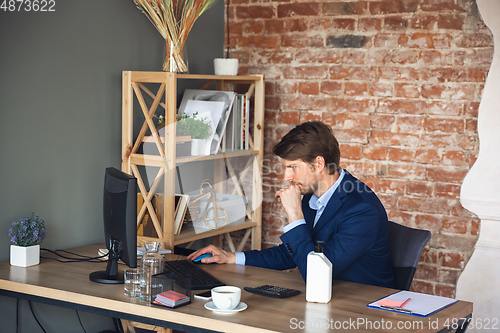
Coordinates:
[319,276]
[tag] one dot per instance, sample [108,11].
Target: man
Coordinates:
[336,208]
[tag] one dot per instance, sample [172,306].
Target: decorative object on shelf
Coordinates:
[226,66]
[214,216]
[200,129]
[174,19]
[27,234]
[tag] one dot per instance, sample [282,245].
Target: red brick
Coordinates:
[327,56]
[298,9]
[343,24]
[428,222]
[474,40]
[403,73]
[386,40]
[451,191]
[305,72]
[357,57]
[436,6]
[395,23]
[456,158]
[393,6]
[448,275]
[454,226]
[445,290]
[404,171]
[401,106]
[347,120]
[356,88]
[375,153]
[345,8]
[382,121]
[351,135]
[281,57]
[428,156]
[444,125]
[443,108]
[309,116]
[437,58]
[309,88]
[333,88]
[380,89]
[254,12]
[453,260]
[290,117]
[302,102]
[447,175]
[401,154]
[424,205]
[408,124]
[399,217]
[392,186]
[453,22]
[422,21]
[352,105]
[286,87]
[474,230]
[422,286]
[253,27]
[369,24]
[419,188]
[351,152]
[394,139]
[300,41]
[274,26]
[406,90]
[426,272]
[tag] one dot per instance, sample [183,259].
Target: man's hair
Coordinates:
[307,141]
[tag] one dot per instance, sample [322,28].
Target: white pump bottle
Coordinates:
[319,276]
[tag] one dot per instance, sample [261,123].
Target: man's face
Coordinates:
[300,173]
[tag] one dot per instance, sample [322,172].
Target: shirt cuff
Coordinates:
[240,258]
[292,225]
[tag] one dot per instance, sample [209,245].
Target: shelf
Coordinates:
[135,92]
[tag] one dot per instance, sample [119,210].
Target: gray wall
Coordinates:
[60,107]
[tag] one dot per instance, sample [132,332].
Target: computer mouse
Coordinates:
[206,255]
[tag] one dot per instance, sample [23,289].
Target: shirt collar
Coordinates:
[318,203]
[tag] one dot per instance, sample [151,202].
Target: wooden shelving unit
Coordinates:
[138,85]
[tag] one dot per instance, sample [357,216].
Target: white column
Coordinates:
[480,194]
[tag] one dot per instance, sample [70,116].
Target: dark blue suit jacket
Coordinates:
[354,227]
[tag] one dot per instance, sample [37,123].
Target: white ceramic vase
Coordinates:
[24,256]
[198,146]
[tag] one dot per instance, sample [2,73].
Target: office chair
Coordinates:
[406,247]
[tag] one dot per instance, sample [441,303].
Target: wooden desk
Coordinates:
[68,285]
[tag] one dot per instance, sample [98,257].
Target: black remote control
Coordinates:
[273,291]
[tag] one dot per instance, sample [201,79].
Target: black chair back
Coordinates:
[406,247]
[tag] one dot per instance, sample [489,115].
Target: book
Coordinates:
[181,204]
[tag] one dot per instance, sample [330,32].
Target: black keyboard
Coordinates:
[200,279]
[273,291]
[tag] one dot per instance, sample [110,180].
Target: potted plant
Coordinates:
[200,129]
[27,234]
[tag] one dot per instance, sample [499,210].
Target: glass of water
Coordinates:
[133,281]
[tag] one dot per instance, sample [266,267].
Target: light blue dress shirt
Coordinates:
[315,203]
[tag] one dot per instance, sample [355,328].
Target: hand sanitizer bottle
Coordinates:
[319,276]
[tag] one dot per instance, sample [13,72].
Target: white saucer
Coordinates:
[211,306]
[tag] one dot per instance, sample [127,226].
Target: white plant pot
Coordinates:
[24,256]
[198,146]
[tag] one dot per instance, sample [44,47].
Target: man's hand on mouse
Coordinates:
[219,256]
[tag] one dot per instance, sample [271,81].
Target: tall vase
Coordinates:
[175,58]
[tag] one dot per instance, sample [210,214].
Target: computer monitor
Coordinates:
[120,225]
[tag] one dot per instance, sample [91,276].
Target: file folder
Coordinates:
[417,304]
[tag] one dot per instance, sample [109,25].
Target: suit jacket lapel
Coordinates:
[309,213]
[336,201]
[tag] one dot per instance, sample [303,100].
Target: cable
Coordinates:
[33,312]
[227,26]
[80,320]
[17,316]
[70,259]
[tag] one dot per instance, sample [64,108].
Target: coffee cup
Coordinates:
[226,297]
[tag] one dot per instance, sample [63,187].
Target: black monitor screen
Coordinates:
[120,227]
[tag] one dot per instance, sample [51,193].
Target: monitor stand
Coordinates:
[111,274]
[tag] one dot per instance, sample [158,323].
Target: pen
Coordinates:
[404,303]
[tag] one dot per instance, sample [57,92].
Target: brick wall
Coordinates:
[400,83]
